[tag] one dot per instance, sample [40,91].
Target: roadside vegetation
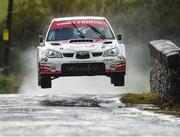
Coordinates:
[3,9]
[138,20]
[8,84]
[152,98]
[143,98]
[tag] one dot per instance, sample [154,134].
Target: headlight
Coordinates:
[111,52]
[53,54]
[121,57]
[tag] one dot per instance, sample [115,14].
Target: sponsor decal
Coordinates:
[89,45]
[84,45]
[75,46]
[82,53]
[78,23]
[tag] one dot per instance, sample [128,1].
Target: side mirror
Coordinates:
[41,38]
[119,36]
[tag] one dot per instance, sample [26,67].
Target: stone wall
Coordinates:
[165,72]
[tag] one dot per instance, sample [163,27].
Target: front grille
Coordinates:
[83,69]
[82,55]
[70,55]
[97,54]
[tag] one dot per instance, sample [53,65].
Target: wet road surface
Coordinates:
[63,115]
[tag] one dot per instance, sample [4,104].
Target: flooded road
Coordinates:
[63,115]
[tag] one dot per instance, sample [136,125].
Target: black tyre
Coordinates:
[39,80]
[112,79]
[46,82]
[119,80]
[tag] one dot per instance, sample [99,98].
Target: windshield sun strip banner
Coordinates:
[78,23]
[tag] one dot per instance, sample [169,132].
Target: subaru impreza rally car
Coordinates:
[80,46]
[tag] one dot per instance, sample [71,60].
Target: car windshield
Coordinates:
[76,29]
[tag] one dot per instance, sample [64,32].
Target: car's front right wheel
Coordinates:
[45,82]
[118,79]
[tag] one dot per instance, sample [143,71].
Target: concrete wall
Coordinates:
[165,72]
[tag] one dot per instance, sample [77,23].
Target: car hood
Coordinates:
[98,45]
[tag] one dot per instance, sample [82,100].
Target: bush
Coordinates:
[8,84]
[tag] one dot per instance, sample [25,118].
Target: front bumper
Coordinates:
[82,68]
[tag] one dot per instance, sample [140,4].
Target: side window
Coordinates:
[51,35]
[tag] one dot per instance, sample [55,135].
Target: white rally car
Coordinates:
[80,46]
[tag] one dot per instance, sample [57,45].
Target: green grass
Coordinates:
[152,98]
[8,85]
[3,9]
[143,98]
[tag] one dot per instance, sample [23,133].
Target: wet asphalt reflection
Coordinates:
[54,115]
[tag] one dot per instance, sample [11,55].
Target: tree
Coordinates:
[8,45]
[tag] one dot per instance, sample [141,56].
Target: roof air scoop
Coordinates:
[81,41]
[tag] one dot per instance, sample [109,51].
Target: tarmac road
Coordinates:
[63,115]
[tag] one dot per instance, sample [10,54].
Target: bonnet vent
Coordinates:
[107,42]
[55,44]
[80,40]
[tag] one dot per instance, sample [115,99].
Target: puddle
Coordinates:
[81,102]
[78,102]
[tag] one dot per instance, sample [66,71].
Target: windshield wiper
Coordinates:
[97,32]
[80,33]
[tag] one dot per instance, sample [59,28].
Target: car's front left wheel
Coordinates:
[39,80]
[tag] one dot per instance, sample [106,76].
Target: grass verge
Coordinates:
[152,98]
[143,98]
[8,85]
